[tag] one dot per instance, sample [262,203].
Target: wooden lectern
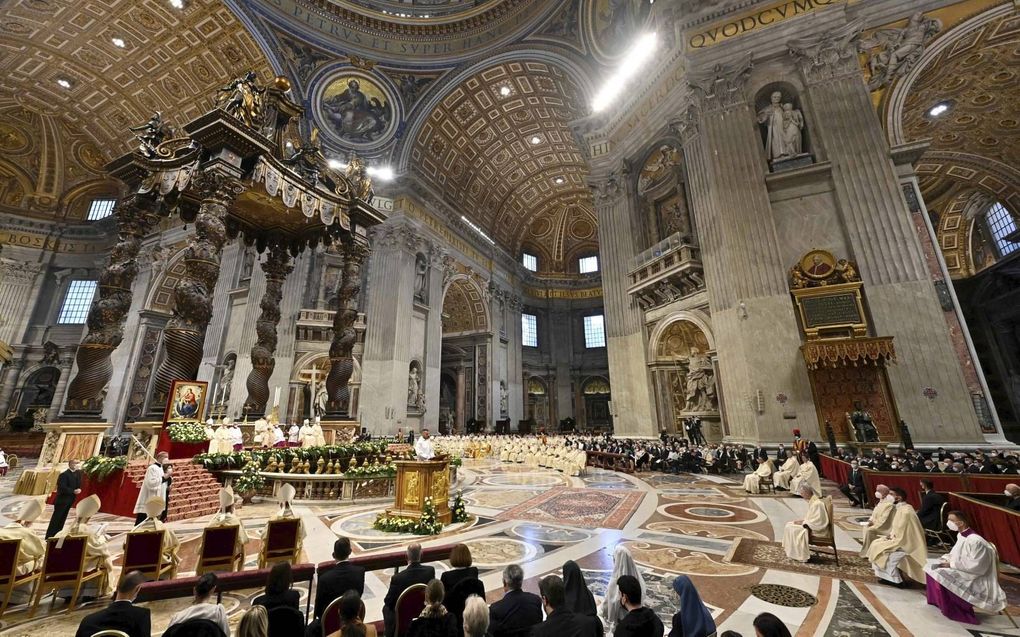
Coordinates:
[417,480]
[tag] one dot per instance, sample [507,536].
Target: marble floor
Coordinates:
[704,526]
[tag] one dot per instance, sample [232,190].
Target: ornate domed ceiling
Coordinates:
[73,91]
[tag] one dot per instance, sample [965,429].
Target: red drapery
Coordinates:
[996,524]
[117,494]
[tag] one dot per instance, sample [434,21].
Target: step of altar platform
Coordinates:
[193,492]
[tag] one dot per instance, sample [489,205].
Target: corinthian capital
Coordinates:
[722,86]
[828,55]
[217,186]
[607,191]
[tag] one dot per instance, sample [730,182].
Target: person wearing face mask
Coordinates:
[903,549]
[854,487]
[881,518]
[967,577]
[1013,492]
[931,507]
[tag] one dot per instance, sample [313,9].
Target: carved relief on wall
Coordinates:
[678,339]
[78,447]
[412,489]
[464,309]
[692,385]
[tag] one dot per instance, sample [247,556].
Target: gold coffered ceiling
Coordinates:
[173,60]
[477,148]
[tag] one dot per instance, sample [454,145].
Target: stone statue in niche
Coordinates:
[504,399]
[421,279]
[226,380]
[900,49]
[415,395]
[784,128]
[700,383]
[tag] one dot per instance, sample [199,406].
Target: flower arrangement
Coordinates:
[188,432]
[374,470]
[100,467]
[427,524]
[251,478]
[456,461]
[458,509]
[339,454]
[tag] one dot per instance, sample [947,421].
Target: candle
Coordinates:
[214,390]
[276,399]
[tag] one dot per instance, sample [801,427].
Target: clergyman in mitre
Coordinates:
[171,544]
[32,548]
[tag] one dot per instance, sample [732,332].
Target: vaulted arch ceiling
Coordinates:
[173,60]
[498,147]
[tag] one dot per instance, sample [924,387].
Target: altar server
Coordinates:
[967,577]
[903,551]
[752,481]
[155,484]
[795,535]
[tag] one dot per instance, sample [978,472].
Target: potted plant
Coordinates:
[250,481]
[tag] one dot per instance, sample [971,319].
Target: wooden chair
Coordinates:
[767,484]
[942,536]
[281,541]
[64,567]
[9,578]
[13,461]
[409,605]
[143,551]
[217,552]
[998,574]
[823,544]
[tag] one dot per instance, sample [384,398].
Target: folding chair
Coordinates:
[281,541]
[64,567]
[217,553]
[9,578]
[942,536]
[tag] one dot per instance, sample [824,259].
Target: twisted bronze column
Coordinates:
[136,216]
[276,267]
[184,334]
[341,363]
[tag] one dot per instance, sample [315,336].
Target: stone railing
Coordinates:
[668,271]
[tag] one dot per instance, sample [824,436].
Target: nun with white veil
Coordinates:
[623,564]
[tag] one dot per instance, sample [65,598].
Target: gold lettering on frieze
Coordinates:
[44,242]
[753,21]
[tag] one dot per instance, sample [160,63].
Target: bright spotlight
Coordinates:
[631,63]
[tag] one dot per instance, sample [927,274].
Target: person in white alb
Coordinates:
[236,437]
[881,518]
[279,438]
[423,446]
[154,485]
[967,577]
[795,534]
[294,435]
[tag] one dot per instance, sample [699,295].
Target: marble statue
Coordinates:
[700,383]
[784,126]
[899,49]
[504,398]
[321,400]
[793,125]
[151,134]
[771,117]
[421,277]
[413,385]
[226,380]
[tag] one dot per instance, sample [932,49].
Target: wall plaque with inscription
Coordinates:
[832,311]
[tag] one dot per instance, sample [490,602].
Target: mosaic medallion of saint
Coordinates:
[614,24]
[356,109]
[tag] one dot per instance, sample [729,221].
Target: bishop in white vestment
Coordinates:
[786,472]
[795,534]
[752,481]
[807,474]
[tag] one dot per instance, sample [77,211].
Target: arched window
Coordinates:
[1002,227]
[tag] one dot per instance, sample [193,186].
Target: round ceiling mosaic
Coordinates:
[356,109]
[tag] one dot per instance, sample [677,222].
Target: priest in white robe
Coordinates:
[786,472]
[795,534]
[171,544]
[236,438]
[97,551]
[903,551]
[881,519]
[220,442]
[307,439]
[806,474]
[294,436]
[154,484]
[967,577]
[752,481]
[32,548]
[318,435]
[227,517]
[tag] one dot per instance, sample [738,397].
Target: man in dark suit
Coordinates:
[335,582]
[560,621]
[122,614]
[518,611]
[415,573]
[930,512]
[854,487]
[68,488]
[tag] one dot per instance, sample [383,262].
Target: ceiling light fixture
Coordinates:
[631,63]
[119,43]
[938,109]
[536,140]
[177,4]
[63,83]
[504,91]
[559,180]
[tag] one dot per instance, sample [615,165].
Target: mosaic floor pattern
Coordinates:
[701,526]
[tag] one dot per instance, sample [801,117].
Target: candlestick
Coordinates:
[276,398]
